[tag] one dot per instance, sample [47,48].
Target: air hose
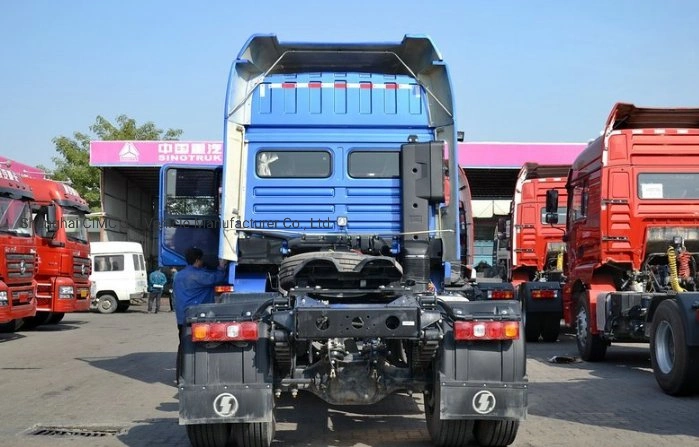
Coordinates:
[672,263]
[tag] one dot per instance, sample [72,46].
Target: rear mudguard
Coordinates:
[482,379]
[541,305]
[231,381]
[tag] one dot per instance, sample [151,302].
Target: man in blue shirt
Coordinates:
[157,281]
[194,285]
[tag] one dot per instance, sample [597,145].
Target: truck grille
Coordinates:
[81,269]
[20,266]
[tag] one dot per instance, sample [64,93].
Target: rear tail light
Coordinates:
[544,294]
[501,294]
[243,331]
[486,330]
[223,289]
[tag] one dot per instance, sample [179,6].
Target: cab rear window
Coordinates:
[374,164]
[293,164]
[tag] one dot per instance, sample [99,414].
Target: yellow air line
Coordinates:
[672,262]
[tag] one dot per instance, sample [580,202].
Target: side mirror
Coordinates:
[47,228]
[552,206]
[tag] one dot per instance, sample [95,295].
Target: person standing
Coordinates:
[171,295]
[157,281]
[193,285]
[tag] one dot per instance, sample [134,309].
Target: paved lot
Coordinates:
[116,372]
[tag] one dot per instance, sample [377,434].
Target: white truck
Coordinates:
[118,275]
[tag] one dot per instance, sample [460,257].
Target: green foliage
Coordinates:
[73,161]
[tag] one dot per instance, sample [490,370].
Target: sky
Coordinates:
[522,71]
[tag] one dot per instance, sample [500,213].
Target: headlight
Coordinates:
[3,298]
[65,292]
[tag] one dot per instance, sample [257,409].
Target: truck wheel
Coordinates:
[532,328]
[35,321]
[591,346]
[675,365]
[209,435]
[449,433]
[11,326]
[495,433]
[107,304]
[550,328]
[55,317]
[253,434]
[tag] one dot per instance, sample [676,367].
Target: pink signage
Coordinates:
[515,155]
[155,153]
[471,154]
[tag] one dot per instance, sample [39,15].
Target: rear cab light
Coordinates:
[501,294]
[223,289]
[486,330]
[230,331]
[544,294]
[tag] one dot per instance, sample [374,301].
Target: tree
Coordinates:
[73,162]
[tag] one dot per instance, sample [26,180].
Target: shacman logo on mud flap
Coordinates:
[484,402]
[225,405]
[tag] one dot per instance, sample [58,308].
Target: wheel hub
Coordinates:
[664,347]
[581,322]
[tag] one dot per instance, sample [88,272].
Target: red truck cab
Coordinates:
[61,241]
[536,249]
[632,234]
[17,265]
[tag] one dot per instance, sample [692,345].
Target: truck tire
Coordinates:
[209,435]
[253,434]
[675,365]
[550,328]
[11,326]
[287,269]
[449,433]
[55,317]
[495,433]
[532,328]
[37,320]
[107,304]
[592,347]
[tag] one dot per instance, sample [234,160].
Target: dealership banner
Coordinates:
[155,153]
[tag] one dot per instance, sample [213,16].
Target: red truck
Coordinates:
[534,263]
[632,236]
[17,285]
[60,237]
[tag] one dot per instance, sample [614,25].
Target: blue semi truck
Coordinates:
[346,220]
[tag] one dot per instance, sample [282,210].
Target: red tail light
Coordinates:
[544,294]
[486,330]
[223,289]
[243,331]
[501,295]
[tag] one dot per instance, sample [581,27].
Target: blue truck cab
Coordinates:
[345,229]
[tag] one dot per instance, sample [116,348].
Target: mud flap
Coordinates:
[483,379]
[226,382]
[475,400]
[226,403]
[541,305]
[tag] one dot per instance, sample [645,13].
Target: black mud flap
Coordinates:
[483,379]
[227,382]
[541,305]
[226,403]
